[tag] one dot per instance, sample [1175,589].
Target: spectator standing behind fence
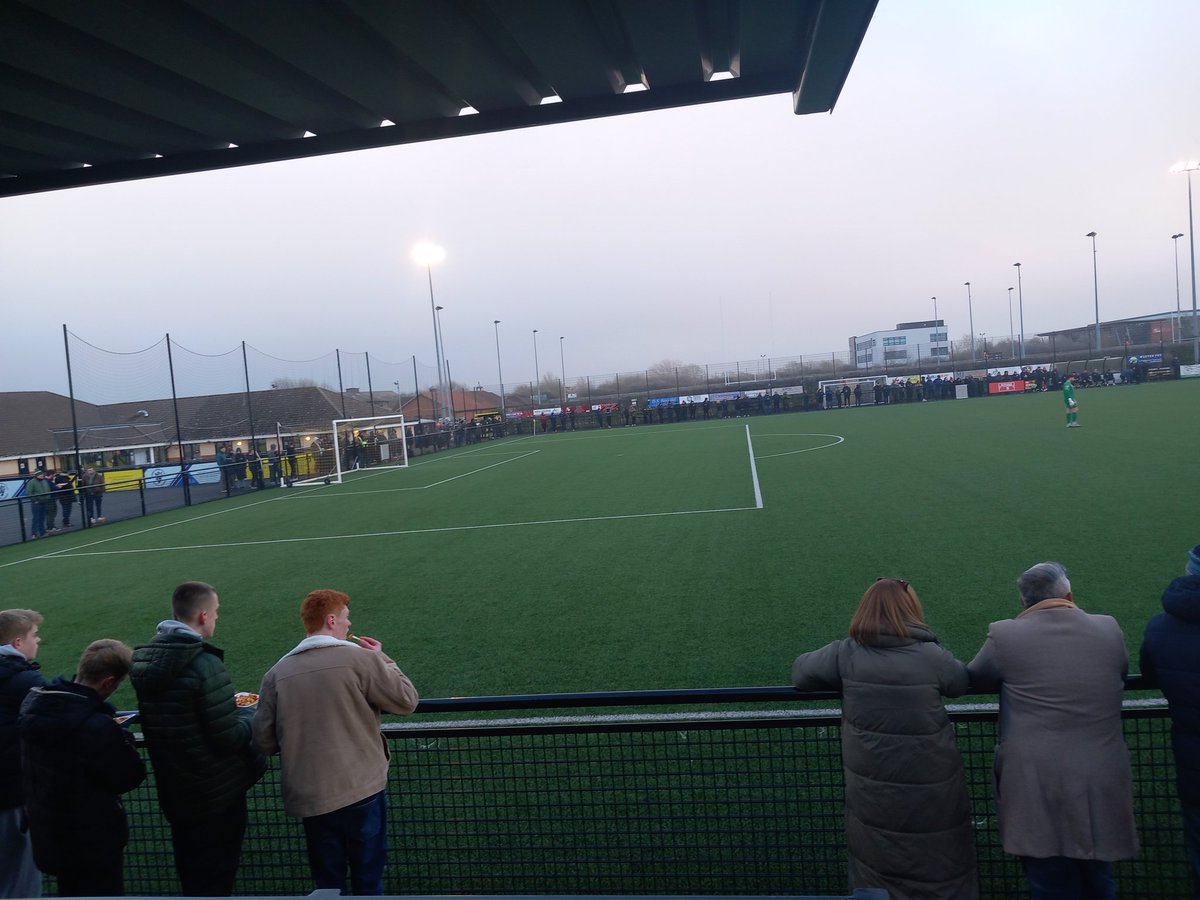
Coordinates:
[1169,660]
[908,825]
[91,485]
[1064,794]
[76,762]
[198,743]
[64,491]
[19,639]
[319,709]
[37,489]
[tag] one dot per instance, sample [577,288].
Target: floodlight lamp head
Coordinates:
[427,253]
[1090,234]
[1018,265]
[495,321]
[1190,165]
[1176,237]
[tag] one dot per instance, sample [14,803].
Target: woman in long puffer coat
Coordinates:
[908,826]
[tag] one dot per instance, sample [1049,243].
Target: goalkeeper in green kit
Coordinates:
[1069,400]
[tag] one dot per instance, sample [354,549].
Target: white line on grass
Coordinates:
[424,487]
[839,440]
[65,551]
[414,531]
[758,501]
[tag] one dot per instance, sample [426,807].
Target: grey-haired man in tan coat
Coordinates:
[1062,778]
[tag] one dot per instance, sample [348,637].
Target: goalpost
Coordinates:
[366,442]
[834,398]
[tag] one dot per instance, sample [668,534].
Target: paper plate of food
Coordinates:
[125,719]
[245,700]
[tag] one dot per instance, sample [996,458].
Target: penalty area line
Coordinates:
[758,500]
[409,532]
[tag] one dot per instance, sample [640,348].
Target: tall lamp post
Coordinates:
[427,254]
[447,399]
[935,326]
[1020,311]
[1095,287]
[1011,342]
[500,372]
[1177,331]
[1189,167]
[971,314]
[562,382]
[537,378]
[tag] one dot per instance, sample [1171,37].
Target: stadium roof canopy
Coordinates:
[100,91]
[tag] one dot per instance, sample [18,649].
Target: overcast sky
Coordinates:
[969,136]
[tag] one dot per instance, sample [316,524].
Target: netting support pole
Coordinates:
[617,378]
[416,389]
[71,391]
[183,474]
[249,403]
[341,390]
[370,388]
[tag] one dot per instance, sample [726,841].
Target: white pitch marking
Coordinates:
[424,487]
[758,501]
[278,497]
[415,531]
[839,440]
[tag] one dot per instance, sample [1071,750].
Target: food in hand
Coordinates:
[245,699]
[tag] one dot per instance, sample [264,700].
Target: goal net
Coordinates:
[370,442]
[837,393]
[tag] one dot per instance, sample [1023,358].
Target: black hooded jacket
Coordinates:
[1170,661]
[76,762]
[17,677]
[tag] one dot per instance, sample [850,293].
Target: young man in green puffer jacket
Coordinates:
[199,744]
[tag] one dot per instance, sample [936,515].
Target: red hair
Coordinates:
[319,604]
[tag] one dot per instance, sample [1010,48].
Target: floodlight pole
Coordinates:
[537,380]
[935,326]
[1189,167]
[1011,342]
[562,382]
[971,314]
[500,372]
[1020,310]
[1177,330]
[447,398]
[1095,287]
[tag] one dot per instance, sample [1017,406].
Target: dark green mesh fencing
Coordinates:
[718,805]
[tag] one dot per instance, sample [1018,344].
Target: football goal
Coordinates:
[840,392]
[369,442]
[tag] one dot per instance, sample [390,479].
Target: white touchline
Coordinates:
[423,487]
[758,501]
[277,497]
[413,531]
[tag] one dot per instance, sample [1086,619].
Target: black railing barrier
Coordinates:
[734,791]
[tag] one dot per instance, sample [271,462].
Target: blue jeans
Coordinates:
[1063,878]
[354,835]
[19,877]
[38,527]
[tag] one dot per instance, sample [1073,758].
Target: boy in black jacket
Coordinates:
[76,762]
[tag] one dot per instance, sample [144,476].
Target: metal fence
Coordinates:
[709,801]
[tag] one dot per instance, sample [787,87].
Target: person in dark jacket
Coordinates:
[19,639]
[37,489]
[1169,661]
[76,762]
[199,744]
[908,824]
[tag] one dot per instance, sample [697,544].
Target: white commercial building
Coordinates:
[908,342]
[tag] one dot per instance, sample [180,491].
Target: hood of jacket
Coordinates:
[61,706]
[157,664]
[1181,598]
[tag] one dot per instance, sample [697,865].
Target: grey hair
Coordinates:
[1043,581]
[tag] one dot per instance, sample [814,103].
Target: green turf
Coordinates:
[635,558]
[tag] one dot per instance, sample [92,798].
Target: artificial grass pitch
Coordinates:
[638,558]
